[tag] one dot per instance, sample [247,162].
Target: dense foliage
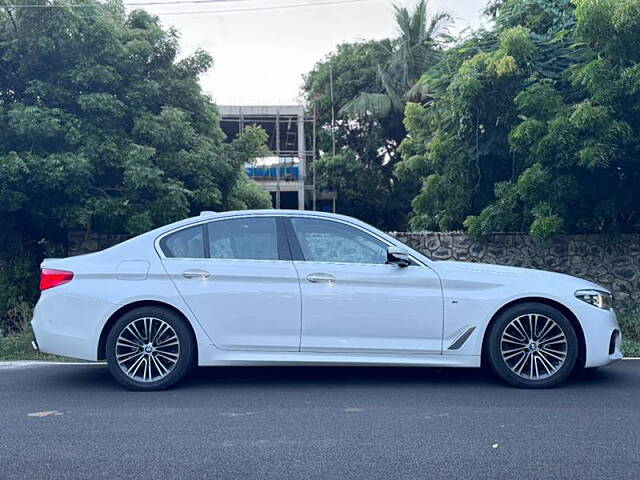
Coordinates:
[576,138]
[358,94]
[103,129]
[530,126]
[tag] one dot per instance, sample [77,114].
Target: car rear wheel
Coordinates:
[149,348]
[532,345]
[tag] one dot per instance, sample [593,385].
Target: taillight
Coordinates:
[52,278]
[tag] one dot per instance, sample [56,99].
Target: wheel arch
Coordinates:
[102,342]
[582,346]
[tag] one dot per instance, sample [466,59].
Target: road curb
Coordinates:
[37,363]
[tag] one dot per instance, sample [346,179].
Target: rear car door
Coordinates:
[353,301]
[237,277]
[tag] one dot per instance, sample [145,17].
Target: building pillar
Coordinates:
[302,156]
[278,158]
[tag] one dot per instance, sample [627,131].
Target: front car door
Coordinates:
[237,277]
[353,301]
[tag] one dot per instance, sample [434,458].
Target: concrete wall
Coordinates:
[612,261]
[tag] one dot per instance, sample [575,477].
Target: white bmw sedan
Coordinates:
[294,287]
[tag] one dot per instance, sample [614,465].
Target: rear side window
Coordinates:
[243,239]
[186,243]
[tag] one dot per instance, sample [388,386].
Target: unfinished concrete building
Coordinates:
[287,173]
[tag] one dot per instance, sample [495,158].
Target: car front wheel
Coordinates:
[149,348]
[533,345]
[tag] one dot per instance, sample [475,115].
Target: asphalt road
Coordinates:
[302,422]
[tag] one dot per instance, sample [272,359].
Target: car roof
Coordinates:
[206,215]
[272,211]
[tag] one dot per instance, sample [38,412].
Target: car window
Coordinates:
[244,239]
[328,241]
[186,243]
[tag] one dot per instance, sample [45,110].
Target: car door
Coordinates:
[237,277]
[353,301]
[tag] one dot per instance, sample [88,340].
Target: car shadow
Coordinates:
[204,377]
[97,378]
[336,376]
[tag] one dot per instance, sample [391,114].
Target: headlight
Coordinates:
[597,298]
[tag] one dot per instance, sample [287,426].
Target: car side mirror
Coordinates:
[398,256]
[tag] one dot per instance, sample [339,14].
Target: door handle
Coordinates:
[320,277]
[202,274]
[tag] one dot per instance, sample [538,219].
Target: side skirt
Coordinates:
[208,355]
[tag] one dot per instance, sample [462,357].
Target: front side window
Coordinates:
[185,243]
[334,242]
[243,239]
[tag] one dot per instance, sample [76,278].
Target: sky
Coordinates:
[260,56]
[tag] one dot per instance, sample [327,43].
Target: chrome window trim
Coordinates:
[204,221]
[209,219]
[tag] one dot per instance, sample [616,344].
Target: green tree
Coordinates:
[457,143]
[367,197]
[511,138]
[345,73]
[333,82]
[103,129]
[578,140]
[529,126]
[400,62]
[358,93]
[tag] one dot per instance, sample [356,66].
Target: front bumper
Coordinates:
[603,340]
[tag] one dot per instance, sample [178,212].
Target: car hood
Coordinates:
[503,271]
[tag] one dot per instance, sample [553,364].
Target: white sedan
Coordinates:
[282,287]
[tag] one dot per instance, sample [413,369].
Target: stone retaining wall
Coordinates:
[609,260]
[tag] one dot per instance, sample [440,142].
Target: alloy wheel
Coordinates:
[147,349]
[533,346]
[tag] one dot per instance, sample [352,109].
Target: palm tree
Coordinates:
[401,62]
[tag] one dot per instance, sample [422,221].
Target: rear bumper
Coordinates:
[68,325]
[63,345]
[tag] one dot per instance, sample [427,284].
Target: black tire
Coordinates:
[185,351]
[507,369]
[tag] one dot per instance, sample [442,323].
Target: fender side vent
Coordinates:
[460,339]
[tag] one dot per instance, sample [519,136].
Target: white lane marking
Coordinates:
[46,413]
[38,363]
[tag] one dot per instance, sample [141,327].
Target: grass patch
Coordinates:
[18,347]
[631,348]
[16,343]
[630,326]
